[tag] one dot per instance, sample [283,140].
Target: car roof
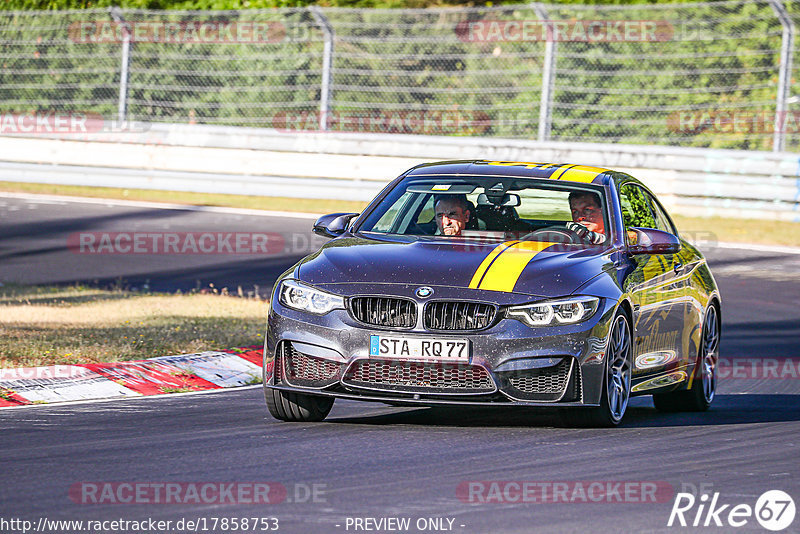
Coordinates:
[552,171]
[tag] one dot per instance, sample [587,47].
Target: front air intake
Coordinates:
[384,311]
[422,377]
[458,315]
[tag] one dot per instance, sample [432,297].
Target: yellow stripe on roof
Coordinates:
[560,172]
[504,272]
[526,164]
[487,261]
[581,173]
[570,173]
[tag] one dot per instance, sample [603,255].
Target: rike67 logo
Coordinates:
[774,510]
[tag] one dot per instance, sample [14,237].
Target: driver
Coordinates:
[452,214]
[587,217]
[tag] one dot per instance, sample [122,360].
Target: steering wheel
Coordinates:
[555,234]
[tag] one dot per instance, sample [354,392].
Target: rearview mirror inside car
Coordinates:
[511,200]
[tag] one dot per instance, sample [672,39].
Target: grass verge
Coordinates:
[56,325]
[192,199]
[716,229]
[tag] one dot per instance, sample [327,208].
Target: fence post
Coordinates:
[122,108]
[784,76]
[327,66]
[548,76]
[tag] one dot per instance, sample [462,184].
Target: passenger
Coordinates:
[452,214]
[587,217]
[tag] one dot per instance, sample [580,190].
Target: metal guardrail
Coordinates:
[202,182]
[342,166]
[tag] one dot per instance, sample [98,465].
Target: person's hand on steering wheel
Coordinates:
[585,234]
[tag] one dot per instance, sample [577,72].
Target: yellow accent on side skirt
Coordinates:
[502,275]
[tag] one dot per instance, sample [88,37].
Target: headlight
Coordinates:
[305,298]
[567,311]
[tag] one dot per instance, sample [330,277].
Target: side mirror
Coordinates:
[333,224]
[652,241]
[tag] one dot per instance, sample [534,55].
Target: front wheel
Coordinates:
[296,407]
[699,396]
[616,389]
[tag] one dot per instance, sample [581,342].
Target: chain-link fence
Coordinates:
[714,74]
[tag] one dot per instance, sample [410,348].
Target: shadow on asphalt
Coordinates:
[726,410]
[760,339]
[163,273]
[67,225]
[259,273]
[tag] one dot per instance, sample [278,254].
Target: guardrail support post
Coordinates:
[327,66]
[784,76]
[548,76]
[122,107]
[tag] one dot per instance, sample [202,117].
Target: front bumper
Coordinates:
[510,363]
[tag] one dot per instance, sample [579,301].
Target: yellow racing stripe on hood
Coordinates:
[503,273]
[476,278]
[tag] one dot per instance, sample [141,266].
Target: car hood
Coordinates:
[528,267]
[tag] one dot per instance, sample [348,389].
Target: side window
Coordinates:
[389,220]
[662,221]
[426,213]
[635,207]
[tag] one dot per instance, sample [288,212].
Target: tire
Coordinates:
[699,397]
[616,390]
[296,407]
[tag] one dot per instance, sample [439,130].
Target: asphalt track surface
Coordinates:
[376,461]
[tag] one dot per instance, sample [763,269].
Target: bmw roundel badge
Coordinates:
[424,292]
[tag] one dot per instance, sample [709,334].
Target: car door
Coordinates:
[657,295]
[685,265]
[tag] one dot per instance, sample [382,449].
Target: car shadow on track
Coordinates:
[726,410]
[456,417]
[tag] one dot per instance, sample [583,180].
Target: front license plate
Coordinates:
[419,348]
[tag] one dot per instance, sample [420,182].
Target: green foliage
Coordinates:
[635,210]
[411,72]
[258,4]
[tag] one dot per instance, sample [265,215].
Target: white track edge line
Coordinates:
[757,247]
[160,205]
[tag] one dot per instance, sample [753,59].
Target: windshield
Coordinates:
[494,208]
